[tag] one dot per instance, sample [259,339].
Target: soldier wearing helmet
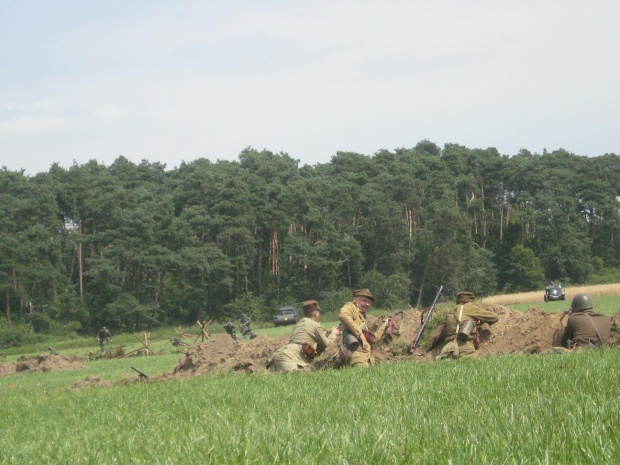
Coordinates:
[584,327]
[102,336]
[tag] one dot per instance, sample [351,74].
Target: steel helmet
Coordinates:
[581,302]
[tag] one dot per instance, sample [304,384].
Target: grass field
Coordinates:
[530,409]
[504,409]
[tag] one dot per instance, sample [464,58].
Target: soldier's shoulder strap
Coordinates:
[598,334]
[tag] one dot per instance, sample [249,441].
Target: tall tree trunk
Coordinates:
[8,308]
[80,269]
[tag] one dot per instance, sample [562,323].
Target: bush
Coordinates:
[68,329]
[17,335]
[249,305]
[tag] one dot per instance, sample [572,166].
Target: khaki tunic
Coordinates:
[454,348]
[580,331]
[354,320]
[290,358]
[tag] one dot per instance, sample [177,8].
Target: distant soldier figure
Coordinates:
[461,325]
[308,338]
[230,329]
[102,336]
[52,351]
[246,331]
[584,327]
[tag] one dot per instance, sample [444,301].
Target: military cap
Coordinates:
[464,297]
[310,306]
[363,293]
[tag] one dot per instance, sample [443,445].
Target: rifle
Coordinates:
[390,326]
[425,321]
[142,375]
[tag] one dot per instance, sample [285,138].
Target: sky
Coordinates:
[174,81]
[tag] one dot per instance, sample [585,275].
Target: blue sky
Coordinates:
[176,81]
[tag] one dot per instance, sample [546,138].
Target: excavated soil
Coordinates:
[533,331]
[41,363]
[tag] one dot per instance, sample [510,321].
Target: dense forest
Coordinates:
[136,246]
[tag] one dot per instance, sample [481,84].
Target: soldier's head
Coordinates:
[465,297]
[311,309]
[363,299]
[581,302]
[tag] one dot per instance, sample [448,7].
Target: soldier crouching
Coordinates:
[459,326]
[307,339]
[356,337]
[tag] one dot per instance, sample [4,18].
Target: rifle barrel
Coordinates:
[414,344]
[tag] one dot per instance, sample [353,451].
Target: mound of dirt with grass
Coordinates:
[41,363]
[221,352]
[533,331]
[90,381]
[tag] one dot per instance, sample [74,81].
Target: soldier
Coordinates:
[584,327]
[460,325]
[230,329]
[307,339]
[356,348]
[102,336]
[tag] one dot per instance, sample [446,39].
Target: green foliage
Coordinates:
[389,291]
[605,276]
[133,246]
[17,335]
[524,271]
[247,304]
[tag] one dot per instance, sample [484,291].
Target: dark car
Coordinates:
[285,316]
[554,292]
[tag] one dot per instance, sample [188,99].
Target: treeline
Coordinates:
[134,246]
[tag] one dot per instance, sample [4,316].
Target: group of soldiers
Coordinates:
[246,331]
[459,337]
[310,339]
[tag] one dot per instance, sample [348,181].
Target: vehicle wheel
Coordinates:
[563,297]
[546,299]
[275,324]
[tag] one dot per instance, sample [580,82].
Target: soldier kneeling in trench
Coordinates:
[585,328]
[308,339]
[461,324]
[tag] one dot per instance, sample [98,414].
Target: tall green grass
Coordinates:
[561,408]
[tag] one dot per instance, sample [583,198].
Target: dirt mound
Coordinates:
[221,352]
[90,381]
[41,363]
[533,331]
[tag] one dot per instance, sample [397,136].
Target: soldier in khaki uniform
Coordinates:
[308,331]
[353,318]
[465,310]
[584,327]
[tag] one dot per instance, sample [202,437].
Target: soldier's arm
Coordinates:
[321,339]
[380,332]
[484,316]
[567,334]
[346,319]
